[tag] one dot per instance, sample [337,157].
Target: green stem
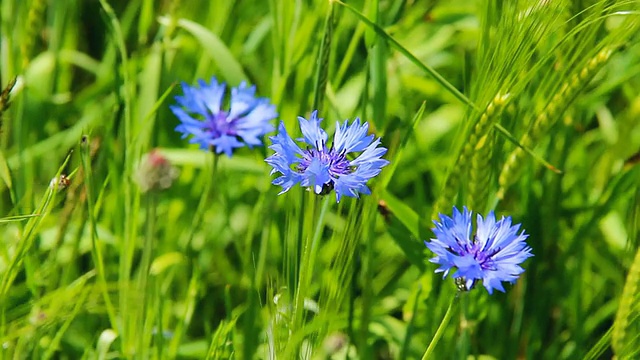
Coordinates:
[463,343]
[147,250]
[96,246]
[159,340]
[441,328]
[145,265]
[318,230]
[204,202]
[307,263]
[367,297]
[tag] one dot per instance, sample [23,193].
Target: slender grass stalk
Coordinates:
[307,264]
[143,274]
[441,328]
[378,70]
[428,69]
[159,338]
[411,325]
[250,326]
[22,197]
[204,199]
[55,343]
[317,234]
[347,57]
[23,248]
[463,343]
[322,71]
[185,317]
[336,281]
[600,347]
[96,246]
[367,297]
[82,277]
[128,202]
[362,263]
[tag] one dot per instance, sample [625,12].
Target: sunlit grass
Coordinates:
[527,108]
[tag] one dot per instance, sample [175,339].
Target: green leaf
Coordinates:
[504,132]
[230,68]
[17,218]
[403,220]
[405,138]
[5,173]
[428,69]
[322,69]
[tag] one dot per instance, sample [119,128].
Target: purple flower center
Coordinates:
[335,162]
[474,248]
[219,124]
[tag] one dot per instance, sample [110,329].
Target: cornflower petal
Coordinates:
[372,154]
[210,95]
[252,126]
[313,134]
[352,138]
[316,175]
[225,144]
[242,100]
[493,254]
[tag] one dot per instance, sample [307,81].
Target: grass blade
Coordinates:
[230,68]
[428,69]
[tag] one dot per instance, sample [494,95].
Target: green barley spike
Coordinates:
[478,134]
[624,339]
[34,23]
[480,173]
[548,117]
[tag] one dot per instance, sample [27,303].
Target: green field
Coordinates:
[121,239]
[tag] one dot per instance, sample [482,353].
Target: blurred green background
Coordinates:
[529,108]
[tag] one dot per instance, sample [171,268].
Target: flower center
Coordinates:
[474,248]
[336,163]
[219,124]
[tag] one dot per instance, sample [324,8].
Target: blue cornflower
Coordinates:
[325,168]
[201,116]
[493,255]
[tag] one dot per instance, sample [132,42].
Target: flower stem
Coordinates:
[204,201]
[145,265]
[307,261]
[440,331]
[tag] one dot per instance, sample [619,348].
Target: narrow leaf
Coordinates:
[406,229]
[230,68]
[322,70]
[428,69]
[535,156]
[404,139]
[17,218]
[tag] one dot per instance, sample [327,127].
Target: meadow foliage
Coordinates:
[170,190]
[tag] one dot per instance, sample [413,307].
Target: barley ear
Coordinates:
[477,138]
[547,119]
[34,24]
[624,338]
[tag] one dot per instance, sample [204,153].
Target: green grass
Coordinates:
[528,108]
